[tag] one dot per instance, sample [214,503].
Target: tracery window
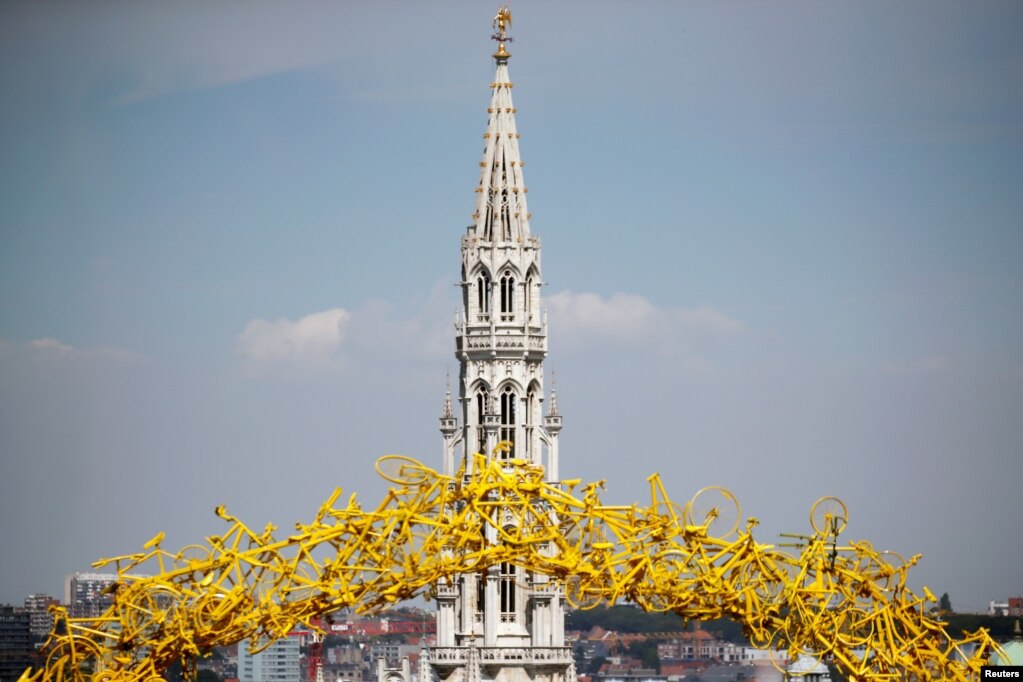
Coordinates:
[483,296]
[507,297]
[529,296]
[481,410]
[481,593]
[508,400]
[507,589]
[532,418]
[488,224]
[505,217]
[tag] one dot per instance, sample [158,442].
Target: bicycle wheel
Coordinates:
[854,627]
[765,580]
[587,536]
[829,516]
[657,598]
[581,593]
[881,568]
[142,612]
[66,657]
[715,509]
[195,557]
[669,513]
[402,470]
[759,637]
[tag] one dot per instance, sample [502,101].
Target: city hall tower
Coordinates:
[504,624]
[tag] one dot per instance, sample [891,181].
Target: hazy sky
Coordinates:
[783,245]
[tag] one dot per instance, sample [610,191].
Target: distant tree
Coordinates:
[173,672]
[945,604]
[646,651]
[836,674]
[625,618]
[961,624]
[594,667]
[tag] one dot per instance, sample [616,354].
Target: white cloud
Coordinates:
[314,337]
[54,352]
[688,339]
[622,316]
[423,333]
[48,345]
[628,317]
[350,340]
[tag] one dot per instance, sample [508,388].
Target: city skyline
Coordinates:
[788,238]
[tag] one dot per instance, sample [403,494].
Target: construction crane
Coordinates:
[314,655]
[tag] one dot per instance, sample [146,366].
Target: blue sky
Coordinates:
[782,242]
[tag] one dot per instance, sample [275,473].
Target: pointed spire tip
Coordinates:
[554,394]
[501,24]
[448,413]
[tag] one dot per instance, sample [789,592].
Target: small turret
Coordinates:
[448,423]
[552,421]
[449,429]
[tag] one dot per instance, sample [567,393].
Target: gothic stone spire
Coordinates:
[500,343]
[501,214]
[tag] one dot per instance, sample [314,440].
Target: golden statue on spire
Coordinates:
[501,24]
[502,21]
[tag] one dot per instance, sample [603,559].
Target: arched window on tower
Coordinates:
[507,589]
[481,411]
[529,296]
[532,419]
[481,594]
[508,399]
[488,220]
[505,217]
[507,297]
[483,297]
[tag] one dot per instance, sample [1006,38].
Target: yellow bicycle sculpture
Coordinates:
[848,602]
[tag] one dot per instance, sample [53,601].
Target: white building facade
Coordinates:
[86,594]
[504,624]
[279,662]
